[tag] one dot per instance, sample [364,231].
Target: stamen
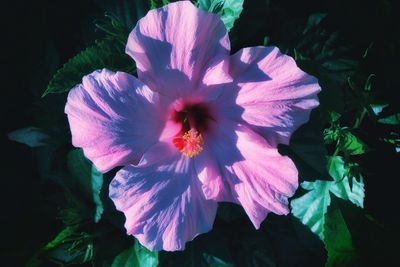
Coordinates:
[190,143]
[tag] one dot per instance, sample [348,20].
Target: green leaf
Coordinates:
[297,55]
[60,238]
[354,193]
[266,41]
[392,120]
[336,168]
[347,141]
[88,178]
[341,186]
[60,245]
[76,249]
[97,183]
[378,108]
[108,54]
[331,135]
[80,169]
[314,20]
[213,261]
[368,82]
[30,136]
[229,10]
[137,256]
[340,65]
[128,12]
[312,206]
[351,144]
[158,3]
[338,241]
[114,28]
[334,116]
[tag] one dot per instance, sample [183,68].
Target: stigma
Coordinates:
[189,143]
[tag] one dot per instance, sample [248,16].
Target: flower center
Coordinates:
[190,143]
[194,120]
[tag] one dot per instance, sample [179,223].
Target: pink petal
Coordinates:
[210,173]
[210,163]
[162,200]
[276,96]
[178,48]
[253,173]
[114,118]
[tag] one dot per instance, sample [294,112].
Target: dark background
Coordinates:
[39,36]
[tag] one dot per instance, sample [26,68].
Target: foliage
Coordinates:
[107,53]
[88,178]
[30,136]
[158,3]
[137,256]
[338,240]
[229,10]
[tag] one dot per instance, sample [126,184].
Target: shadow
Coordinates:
[307,150]
[238,67]
[282,241]
[170,189]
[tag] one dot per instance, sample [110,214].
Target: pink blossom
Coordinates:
[196,127]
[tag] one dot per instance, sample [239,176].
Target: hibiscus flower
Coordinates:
[196,127]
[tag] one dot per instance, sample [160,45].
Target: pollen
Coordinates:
[190,143]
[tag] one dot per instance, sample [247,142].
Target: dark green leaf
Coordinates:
[314,20]
[67,247]
[137,256]
[60,238]
[80,169]
[308,144]
[368,82]
[334,116]
[331,95]
[331,135]
[114,28]
[74,250]
[30,136]
[88,178]
[158,3]
[297,55]
[351,144]
[338,241]
[108,54]
[127,11]
[214,261]
[392,120]
[97,183]
[340,65]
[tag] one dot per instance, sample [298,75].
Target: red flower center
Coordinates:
[195,120]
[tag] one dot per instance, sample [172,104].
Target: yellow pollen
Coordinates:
[192,142]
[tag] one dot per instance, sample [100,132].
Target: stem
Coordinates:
[360,119]
[355,126]
[337,149]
